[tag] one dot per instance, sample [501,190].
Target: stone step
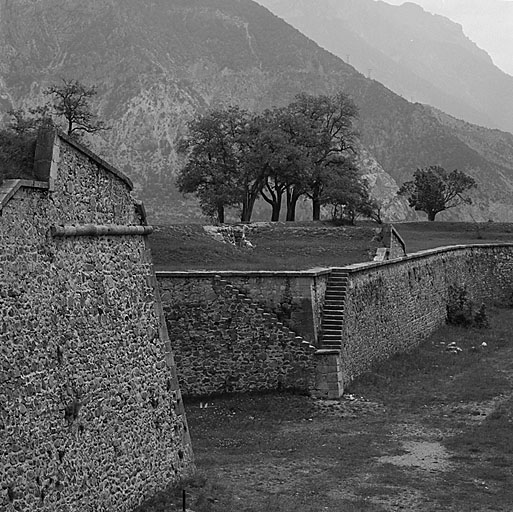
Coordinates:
[332,347]
[332,318]
[332,338]
[332,335]
[335,346]
[332,341]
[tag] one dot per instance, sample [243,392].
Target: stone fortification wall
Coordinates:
[224,342]
[294,298]
[91,416]
[392,306]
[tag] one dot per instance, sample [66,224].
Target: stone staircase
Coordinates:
[333,312]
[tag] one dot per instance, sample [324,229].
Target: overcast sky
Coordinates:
[489,23]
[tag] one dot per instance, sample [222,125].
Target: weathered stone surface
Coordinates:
[223,342]
[392,306]
[90,414]
[295,298]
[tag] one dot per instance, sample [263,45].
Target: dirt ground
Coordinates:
[428,431]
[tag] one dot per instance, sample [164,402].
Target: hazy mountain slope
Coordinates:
[489,23]
[419,55]
[159,62]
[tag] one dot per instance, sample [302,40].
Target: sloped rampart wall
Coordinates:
[91,416]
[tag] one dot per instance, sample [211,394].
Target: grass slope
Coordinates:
[303,245]
[276,247]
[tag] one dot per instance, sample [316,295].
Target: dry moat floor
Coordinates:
[428,431]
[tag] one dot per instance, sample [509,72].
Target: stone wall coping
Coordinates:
[314,272]
[368,265]
[10,187]
[100,161]
[100,230]
[394,232]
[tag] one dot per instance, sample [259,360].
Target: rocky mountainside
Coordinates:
[488,23]
[158,63]
[421,56]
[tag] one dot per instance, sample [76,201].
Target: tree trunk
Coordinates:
[431,216]
[247,209]
[274,199]
[316,209]
[220,213]
[292,198]
[275,215]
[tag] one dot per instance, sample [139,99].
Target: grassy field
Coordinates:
[426,431]
[428,235]
[303,245]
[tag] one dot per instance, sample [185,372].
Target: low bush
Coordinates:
[461,310]
[16,155]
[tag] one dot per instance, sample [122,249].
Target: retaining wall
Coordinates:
[91,416]
[392,306]
[294,298]
[224,342]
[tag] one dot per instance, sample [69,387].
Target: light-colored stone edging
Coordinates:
[360,267]
[99,230]
[313,272]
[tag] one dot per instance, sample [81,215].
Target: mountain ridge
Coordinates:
[158,65]
[422,56]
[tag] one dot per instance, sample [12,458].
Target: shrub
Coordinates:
[461,310]
[16,155]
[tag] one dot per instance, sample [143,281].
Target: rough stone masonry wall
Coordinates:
[294,298]
[391,307]
[223,342]
[91,417]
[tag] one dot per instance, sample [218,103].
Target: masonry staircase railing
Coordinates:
[223,286]
[333,312]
